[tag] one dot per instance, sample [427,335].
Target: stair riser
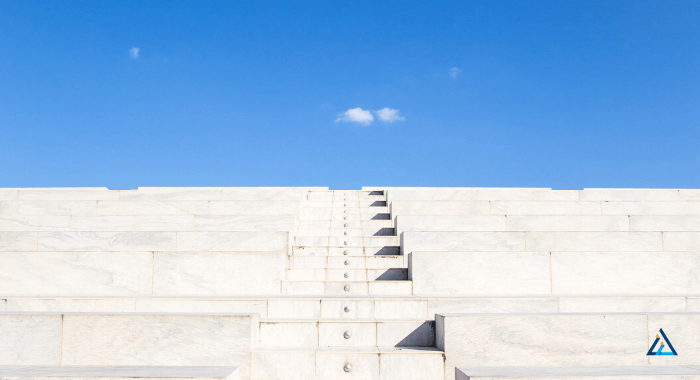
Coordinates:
[374,288]
[347,274]
[362,334]
[325,224]
[354,262]
[349,216]
[340,232]
[351,251]
[346,241]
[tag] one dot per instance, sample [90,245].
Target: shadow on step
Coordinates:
[385,232]
[421,336]
[376,192]
[378,204]
[381,217]
[394,274]
[388,251]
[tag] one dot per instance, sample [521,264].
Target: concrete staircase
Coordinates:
[345,259]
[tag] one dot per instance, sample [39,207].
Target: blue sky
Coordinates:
[561,94]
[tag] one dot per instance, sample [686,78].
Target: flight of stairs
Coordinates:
[344,264]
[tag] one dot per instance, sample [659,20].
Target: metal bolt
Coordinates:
[345,225]
[345,243]
[347,335]
[345,218]
[346,288]
[347,262]
[347,309]
[345,233]
[347,368]
[346,275]
[344,205]
[346,211]
[345,252]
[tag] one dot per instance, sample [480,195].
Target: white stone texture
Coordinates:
[629,195]
[689,194]
[463,241]
[58,208]
[115,273]
[450,223]
[107,241]
[439,208]
[170,194]
[406,333]
[362,334]
[254,207]
[527,195]
[647,372]
[681,241]
[401,309]
[118,372]
[18,241]
[594,241]
[289,334]
[8,194]
[244,223]
[568,223]
[153,208]
[30,339]
[200,305]
[232,241]
[492,305]
[294,308]
[640,273]
[282,364]
[664,223]
[57,304]
[217,273]
[410,364]
[630,304]
[67,195]
[544,208]
[429,194]
[481,273]
[133,223]
[651,208]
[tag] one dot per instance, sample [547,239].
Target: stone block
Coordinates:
[389,288]
[30,339]
[579,373]
[18,241]
[638,195]
[362,334]
[594,241]
[58,194]
[664,223]
[107,241]
[82,273]
[217,273]
[200,305]
[462,223]
[681,241]
[56,208]
[419,363]
[283,364]
[527,195]
[35,223]
[401,309]
[289,334]
[651,208]
[429,194]
[631,304]
[152,208]
[329,364]
[439,208]
[244,223]
[492,305]
[568,223]
[170,194]
[544,208]
[480,273]
[294,308]
[266,193]
[118,372]
[66,304]
[232,241]
[254,208]
[640,273]
[357,309]
[166,339]
[462,241]
[689,194]
[133,223]
[8,194]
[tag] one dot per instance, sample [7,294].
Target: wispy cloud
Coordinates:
[454,72]
[356,115]
[134,52]
[389,115]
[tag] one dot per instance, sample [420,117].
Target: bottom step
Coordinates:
[671,372]
[348,288]
[381,363]
[66,372]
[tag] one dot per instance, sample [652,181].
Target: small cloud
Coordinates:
[389,115]
[454,72]
[134,52]
[356,115]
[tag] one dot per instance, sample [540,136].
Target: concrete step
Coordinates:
[347,274]
[668,372]
[345,251]
[346,231]
[354,288]
[369,262]
[346,216]
[72,372]
[346,241]
[333,363]
[345,209]
[345,203]
[345,224]
[346,333]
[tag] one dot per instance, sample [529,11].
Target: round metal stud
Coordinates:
[345,212]
[345,233]
[345,243]
[347,367]
[345,218]
[346,309]
[347,335]
[344,205]
[346,288]
[346,275]
[345,252]
[347,262]
[345,225]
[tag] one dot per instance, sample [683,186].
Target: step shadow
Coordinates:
[422,336]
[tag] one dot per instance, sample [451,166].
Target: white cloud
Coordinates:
[454,72]
[356,115]
[134,52]
[389,115]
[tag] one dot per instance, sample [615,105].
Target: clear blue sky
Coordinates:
[562,94]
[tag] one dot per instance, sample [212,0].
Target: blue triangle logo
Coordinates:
[663,343]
